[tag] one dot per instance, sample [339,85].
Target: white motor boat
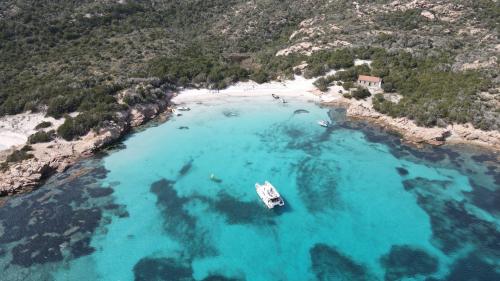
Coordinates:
[269,195]
[323,123]
[176,112]
[183,108]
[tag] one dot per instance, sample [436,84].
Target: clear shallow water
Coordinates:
[359,205]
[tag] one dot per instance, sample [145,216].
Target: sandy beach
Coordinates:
[299,88]
[303,89]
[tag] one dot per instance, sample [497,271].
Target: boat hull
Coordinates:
[270,202]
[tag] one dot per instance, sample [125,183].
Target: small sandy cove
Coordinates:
[303,89]
[299,88]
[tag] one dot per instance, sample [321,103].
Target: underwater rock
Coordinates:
[177,220]
[495,173]
[47,220]
[473,268]
[404,261]
[300,111]
[317,193]
[454,228]
[425,184]
[482,158]
[183,128]
[220,278]
[100,192]
[402,171]
[337,115]
[294,132]
[39,249]
[186,168]
[484,198]
[329,264]
[157,269]
[82,248]
[240,212]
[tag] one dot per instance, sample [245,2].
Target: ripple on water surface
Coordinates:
[360,205]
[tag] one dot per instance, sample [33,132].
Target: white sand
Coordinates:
[299,88]
[15,129]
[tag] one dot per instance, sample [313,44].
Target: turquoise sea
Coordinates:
[360,205]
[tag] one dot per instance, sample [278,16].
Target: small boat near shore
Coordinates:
[276,97]
[283,100]
[269,195]
[324,123]
[176,112]
[183,108]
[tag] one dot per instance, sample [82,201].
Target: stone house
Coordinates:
[370,81]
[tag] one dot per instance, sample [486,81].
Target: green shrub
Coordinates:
[4,165]
[63,104]
[41,136]
[322,84]
[80,125]
[18,156]
[406,20]
[348,85]
[27,148]
[260,77]
[360,93]
[43,124]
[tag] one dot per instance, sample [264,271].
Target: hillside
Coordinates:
[65,56]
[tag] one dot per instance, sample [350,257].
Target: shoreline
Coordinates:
[58,155]
[303,89]
[417,135]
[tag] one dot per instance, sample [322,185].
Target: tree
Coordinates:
[360,93]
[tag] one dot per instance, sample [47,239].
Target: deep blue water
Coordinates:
[359,205]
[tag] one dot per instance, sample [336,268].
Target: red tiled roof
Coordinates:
[369,78]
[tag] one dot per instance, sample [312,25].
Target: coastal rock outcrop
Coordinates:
[411,132]
[144,112]
[58,155]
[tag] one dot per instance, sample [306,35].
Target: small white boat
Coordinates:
[269,195]
[323,123]
[176,112]
[215,179]
[283,100]
[276,97]
[183,108]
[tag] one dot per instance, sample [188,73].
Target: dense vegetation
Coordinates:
[80,57]
[432,93]
[41,136]
[83,123]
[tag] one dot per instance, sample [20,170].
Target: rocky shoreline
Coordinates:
[416,135]
[58,155]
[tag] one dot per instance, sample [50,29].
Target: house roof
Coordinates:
[369,78]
